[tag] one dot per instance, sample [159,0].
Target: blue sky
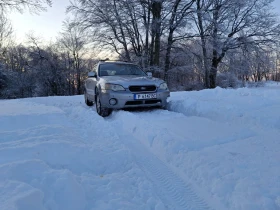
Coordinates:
[48,24]
[276,4]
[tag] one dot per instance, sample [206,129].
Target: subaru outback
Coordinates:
[118,85]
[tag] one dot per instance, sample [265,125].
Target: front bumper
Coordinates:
[125,99]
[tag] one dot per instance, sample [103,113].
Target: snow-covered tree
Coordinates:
[231,24]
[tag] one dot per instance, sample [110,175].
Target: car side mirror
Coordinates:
[149,74]
[92,74]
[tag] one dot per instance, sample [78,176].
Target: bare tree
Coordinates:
[180,9]
[6,31]
[34,6]
[105,21]
[74,41]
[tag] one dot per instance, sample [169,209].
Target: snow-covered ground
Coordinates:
[213,149]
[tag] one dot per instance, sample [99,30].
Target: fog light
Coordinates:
[113,101]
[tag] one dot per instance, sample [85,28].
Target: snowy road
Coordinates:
[213,149]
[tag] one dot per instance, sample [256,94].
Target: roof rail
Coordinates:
[107,59]
[103,60]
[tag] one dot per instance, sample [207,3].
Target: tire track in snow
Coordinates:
[174,192]
[173,186]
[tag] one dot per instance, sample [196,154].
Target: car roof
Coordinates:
[117,62]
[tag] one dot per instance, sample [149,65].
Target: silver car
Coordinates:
[118,85]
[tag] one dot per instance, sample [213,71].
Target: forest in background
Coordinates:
[192,44]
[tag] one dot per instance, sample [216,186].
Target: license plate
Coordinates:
[145,96]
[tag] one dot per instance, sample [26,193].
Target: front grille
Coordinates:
[142,102]
[142,88]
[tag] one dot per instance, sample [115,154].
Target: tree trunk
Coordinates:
[152,49]
[205,64]
[215,59]
[157,49]
[203,44]
[213,71]
[147,36]
[168,52]
[156,27]
[147,28]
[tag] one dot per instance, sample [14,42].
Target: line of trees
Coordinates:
[193,44]
[40,69]
[45,70]
[153,31]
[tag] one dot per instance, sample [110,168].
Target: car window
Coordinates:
[115,69]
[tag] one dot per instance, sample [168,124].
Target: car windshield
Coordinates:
[115,69]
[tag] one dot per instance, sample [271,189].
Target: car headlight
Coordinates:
[163,86]
[113,87]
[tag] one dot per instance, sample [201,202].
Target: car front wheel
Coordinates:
[102,111]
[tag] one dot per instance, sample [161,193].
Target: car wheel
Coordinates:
[88,102]
[102,111]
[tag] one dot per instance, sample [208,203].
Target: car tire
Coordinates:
[88,102]
[102,111]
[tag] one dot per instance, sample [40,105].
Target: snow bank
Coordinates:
[53,157]
[224,142]
[257,105]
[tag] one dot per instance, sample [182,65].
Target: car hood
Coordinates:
[128,80]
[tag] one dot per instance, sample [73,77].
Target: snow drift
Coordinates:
[212,149]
